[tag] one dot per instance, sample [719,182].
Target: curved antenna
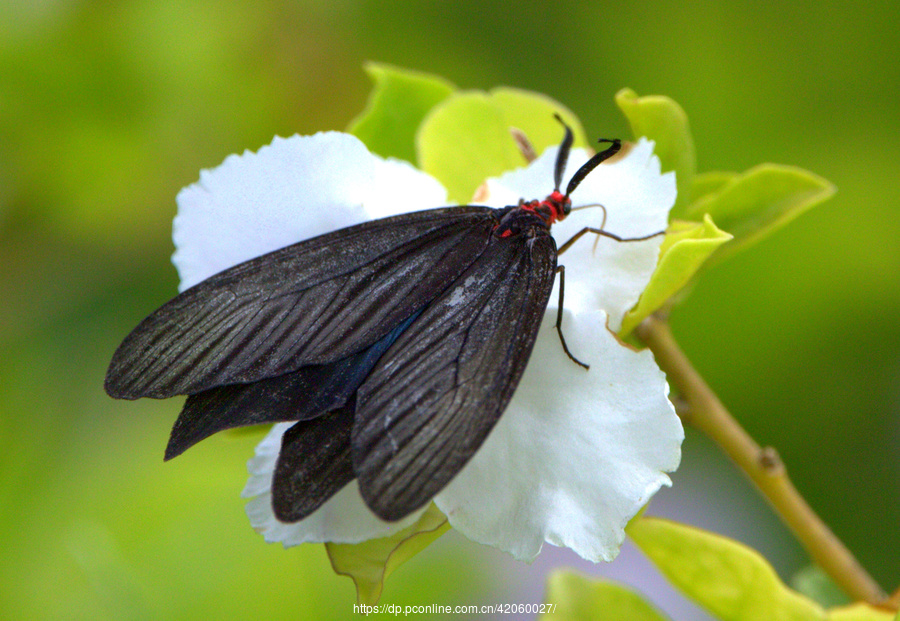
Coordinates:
[563,155]
[591,164]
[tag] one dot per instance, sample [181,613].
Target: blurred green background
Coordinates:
[108,109]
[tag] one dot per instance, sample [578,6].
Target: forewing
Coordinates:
[314,302]
[435,395]
[303,394]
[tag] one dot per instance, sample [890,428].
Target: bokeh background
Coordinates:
[108,109]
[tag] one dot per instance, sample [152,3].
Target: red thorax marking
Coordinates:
[550,210]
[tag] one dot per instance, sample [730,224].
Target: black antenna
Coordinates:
[563,155]
[592,163]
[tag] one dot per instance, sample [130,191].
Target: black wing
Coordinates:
[313,464]
[315,302]
[435,395]
[303,394]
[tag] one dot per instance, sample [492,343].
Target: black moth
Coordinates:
[395,345]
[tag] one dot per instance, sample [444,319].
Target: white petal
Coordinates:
[291,190]
[342,519]
[602,273]
[576,454]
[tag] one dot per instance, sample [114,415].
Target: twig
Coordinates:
[761,465]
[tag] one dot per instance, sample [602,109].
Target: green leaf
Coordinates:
[467,138]
[813,582]
[707,183]
[399,101]
[662,120]
[370,563]
[730,580]
[685,249]
[755,203]
[574,597]
[749,205]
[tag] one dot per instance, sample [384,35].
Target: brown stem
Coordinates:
[761,465]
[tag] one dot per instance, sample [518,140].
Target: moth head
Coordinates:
[561,204]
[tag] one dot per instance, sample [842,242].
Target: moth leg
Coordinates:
[589,229]
[561,270]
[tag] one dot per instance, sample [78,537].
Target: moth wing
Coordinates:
[434,396]
[315,302]
[303,394]
[313,464]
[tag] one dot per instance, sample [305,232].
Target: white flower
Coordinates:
[576,454]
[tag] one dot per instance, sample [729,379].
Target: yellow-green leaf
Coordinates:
[574,597]
[686,247]
[727,578]
[464,141]
[755,203]
[467,138]
[399,101]
[662,120]
[533,114]
[371,562]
